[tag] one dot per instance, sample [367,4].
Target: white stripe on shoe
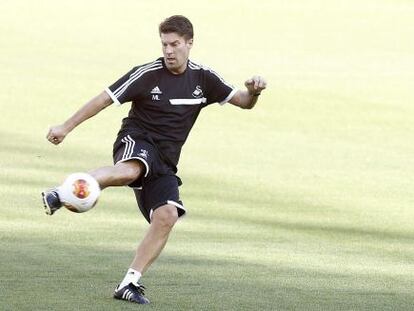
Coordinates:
[124,294]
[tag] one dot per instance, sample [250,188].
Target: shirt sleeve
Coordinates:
[130,87]
[218,90]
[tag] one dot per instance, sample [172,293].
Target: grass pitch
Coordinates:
[304,203]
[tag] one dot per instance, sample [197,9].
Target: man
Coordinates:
[167,95]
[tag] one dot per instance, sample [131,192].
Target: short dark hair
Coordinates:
[178,24]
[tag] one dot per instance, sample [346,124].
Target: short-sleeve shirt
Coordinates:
[165,105]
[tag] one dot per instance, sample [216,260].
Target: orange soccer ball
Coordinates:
[79,192]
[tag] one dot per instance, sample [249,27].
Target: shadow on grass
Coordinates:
[60,276]
[261,210]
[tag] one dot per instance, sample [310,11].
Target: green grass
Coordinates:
[304,203]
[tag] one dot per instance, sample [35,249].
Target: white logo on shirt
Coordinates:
[198,92]
[143,153]
[156,90]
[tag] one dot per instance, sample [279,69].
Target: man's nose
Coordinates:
[168,50]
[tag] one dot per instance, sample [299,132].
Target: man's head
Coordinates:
[176,33]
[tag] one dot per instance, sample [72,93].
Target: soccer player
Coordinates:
[167,95]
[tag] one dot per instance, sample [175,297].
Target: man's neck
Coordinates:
[180,70]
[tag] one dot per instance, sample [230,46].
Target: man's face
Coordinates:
[176,51]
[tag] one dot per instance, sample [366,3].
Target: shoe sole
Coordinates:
[48,210]
[120,297]
[140,303]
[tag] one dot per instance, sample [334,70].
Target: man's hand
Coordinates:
[255,85]
[247,99]
[57,134]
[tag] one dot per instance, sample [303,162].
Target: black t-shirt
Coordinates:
[164,105]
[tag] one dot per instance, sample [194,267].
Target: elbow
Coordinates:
[248,106]
[243,100]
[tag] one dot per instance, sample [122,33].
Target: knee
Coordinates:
[165,216]
[129,171]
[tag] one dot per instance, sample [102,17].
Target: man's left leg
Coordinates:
[162,222]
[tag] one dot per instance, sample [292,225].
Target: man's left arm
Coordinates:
[247,99]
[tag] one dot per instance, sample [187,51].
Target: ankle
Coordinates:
[132,276]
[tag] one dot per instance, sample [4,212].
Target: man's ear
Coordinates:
[190,43]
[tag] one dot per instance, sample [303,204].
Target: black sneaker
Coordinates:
[131,292]
[51,201]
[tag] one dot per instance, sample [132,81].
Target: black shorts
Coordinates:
[159,184]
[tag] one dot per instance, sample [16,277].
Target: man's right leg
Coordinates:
[121,174]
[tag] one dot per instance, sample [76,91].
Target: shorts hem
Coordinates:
[170,202]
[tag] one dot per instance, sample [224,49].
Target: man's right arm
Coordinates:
[58,133]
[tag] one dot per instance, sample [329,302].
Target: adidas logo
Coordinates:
[143,153]
[156,90]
